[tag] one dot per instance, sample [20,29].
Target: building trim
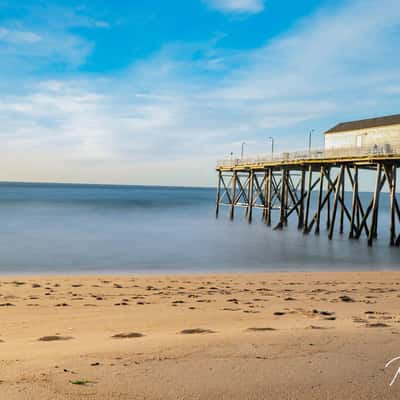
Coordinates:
[379,122]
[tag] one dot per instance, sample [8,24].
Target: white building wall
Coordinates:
[364,137]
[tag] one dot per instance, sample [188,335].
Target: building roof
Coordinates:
[366,123]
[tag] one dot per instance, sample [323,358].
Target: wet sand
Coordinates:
[243,336]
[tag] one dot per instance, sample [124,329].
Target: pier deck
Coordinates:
[286,183]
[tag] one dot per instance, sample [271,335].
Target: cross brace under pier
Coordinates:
[311,191]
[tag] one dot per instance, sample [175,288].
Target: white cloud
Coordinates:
[168,118]
[45,37]
[102,24]
[237,6]
[16,36]
[27,51]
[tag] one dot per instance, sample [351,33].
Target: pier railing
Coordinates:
[385,150]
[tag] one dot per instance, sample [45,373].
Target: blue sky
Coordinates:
[153,92]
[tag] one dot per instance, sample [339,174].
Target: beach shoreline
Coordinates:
[303,335]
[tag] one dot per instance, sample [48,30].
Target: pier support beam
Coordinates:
[341,228]
[374,218]
[390,171]
[300,222]
[265,202]
[309,192]
[335,202]
[251,198]
[233,195]
[328,204]
[320,193]
[269,197]
[392,186]
[218,194]
[354,204]
[282,219]
[288,188]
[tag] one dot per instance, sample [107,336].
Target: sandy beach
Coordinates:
[244,336]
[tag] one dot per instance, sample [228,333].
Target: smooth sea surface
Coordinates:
[73,229]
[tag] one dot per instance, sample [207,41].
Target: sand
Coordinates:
[244,336]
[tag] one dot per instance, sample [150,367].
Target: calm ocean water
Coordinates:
[54,228]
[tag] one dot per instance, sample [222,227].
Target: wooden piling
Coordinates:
[269,198]
[218,194]
[354,204]
[251,194]
[233,195]
[335,203]
[372,230]
[286,198]
[308,201]
[341,228]
[319,206]
[328,203]
[283,201]
[265,204]
[300,222]
[393,206]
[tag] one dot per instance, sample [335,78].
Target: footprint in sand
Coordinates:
[359,320]
[54,338]
[318,327]
[324,313]
[129,335]
[196,331]
[346,299]
[377,325]
[177,302]
[262,329]
[18,283]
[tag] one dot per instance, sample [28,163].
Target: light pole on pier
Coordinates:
[272,145]
[309,140]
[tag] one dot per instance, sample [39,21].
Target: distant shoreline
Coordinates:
[193,274]
[116,185]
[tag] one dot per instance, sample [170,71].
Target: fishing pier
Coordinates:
[311,186]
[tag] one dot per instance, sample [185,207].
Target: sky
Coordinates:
[154,92]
